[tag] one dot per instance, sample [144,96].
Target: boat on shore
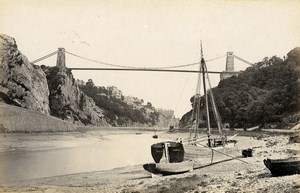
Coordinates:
[169,168]
[169,155]
[283,167]
[169,159]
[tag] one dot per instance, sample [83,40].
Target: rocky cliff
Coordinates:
[47,90]
[21,83]
[68,102]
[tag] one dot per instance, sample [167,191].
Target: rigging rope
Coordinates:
[44,57]
[222,153]
[215,109]
[133,67]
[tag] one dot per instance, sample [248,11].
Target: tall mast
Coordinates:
[206,99]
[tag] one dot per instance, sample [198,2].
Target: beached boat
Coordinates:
[169,159]
[169,168]
[169,156]
[173,151]
[282,167]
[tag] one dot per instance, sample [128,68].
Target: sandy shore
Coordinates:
[225,175]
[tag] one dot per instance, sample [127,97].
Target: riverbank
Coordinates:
[226,176]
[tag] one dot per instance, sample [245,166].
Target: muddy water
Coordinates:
[43,156]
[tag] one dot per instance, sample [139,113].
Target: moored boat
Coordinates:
[282,167]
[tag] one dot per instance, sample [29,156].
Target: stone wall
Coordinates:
[16,119]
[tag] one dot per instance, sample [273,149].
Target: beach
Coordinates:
[224,175]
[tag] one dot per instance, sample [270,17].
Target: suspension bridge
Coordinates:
[229,70]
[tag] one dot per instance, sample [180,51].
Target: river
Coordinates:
[31,156]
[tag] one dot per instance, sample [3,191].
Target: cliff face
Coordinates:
[21,83]
[44,90]
[68,102]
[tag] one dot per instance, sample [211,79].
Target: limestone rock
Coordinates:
[21,83]
[68,102]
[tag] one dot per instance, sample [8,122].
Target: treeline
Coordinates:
[267,92]
[116,110]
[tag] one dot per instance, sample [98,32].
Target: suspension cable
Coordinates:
[123,66]
[243,60]
[44,57]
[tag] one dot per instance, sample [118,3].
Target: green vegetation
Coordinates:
[267,92]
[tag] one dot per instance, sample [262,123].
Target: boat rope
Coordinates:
[196,106]
[222,153]
[44,57]
[215,109]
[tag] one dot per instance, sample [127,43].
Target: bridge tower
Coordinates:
[229,62]
[61,59]
[229,70]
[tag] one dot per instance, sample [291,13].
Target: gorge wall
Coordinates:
[49,91]
[68,102]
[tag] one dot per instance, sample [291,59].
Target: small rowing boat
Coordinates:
[282,167]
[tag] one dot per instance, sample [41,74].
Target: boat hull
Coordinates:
[169,168]
[175,150]
[283,167]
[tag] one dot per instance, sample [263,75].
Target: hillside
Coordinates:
[266,93]
[121,110]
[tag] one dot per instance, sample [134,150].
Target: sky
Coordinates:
[152,34]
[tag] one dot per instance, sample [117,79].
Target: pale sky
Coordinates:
[152,34]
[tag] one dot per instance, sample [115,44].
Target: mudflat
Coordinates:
[224,175]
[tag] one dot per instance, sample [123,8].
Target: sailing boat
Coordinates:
[169,155]
[198,104]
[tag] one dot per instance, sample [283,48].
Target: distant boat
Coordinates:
[155,136]
[138,133]
[282,167]
[168,157]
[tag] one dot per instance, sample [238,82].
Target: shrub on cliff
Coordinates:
[118,112]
